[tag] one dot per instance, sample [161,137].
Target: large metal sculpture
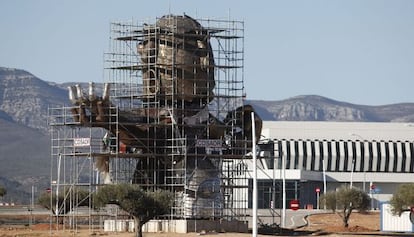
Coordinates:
[177,67]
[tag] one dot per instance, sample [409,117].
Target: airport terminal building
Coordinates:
[321,156]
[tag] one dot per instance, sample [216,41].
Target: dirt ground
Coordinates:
[320,224]
[332,223]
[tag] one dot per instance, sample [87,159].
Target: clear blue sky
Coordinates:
[355,51]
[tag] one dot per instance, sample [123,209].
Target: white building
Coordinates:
[375,157]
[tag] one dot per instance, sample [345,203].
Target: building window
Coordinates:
[387,157]
[354,153]
[321,156]
[280,151]
[346,156]
[338,156]
[305,155]
[412,157]
[329,166]
[379,158]
[404,157]
[371,156]
[268,194]
[395,167]
[313,155]
[295,165]
[362,145]
[288,155]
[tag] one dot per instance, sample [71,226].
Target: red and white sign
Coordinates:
[318,190]
[294,205]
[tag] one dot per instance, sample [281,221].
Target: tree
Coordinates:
[79,196]
[346,199]
[403,199]
[142,205]
[2,191]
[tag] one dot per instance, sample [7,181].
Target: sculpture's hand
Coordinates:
[90,109]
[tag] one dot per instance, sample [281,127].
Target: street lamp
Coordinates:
[352,171]
[283,217]
[254,224]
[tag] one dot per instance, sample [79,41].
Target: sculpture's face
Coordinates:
[177,60]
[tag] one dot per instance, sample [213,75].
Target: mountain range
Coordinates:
[25,142]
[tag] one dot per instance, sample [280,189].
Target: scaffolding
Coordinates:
[171,116]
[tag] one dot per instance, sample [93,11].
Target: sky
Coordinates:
[355,51]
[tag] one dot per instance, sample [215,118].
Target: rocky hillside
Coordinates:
[25,99]
[317,108]
[25,143]
[24,160]
[24,146]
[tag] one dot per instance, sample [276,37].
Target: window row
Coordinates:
[342,156]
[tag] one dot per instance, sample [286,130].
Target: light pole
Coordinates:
[283,217]
[324,183]
[32,206]
[254,224]
[352,171]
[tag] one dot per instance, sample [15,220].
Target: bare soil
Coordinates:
[326,224]
[332,223]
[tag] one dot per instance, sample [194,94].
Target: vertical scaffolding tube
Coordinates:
[57,186]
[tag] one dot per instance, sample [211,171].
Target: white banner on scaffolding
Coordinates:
[81,142]
[209,143]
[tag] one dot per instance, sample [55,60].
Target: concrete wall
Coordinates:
[177,226]
[395,223]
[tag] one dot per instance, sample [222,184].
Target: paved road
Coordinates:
[22,210]
[294,219]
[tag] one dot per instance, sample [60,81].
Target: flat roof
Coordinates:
[322,130]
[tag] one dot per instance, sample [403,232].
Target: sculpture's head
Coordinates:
[177,60]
